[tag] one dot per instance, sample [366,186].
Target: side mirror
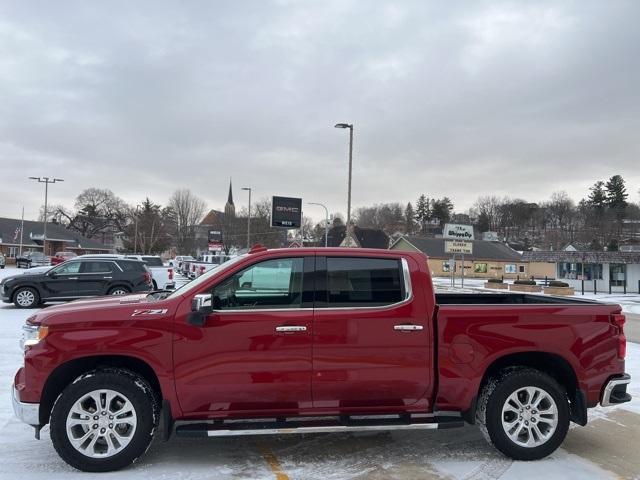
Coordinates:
[53,274]
[200,310]
[200,301]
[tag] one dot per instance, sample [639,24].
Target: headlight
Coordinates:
[32,334]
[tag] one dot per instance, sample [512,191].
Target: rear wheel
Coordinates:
[524,413]
[119,291]
[104,420]
[26,297]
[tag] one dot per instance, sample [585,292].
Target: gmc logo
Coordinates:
[287,209]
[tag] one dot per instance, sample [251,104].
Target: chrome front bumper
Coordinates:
[27,412]
[615,391]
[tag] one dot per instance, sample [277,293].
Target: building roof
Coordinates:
[33,233]
[434,248]
[212,218]
[581,257]
[365,237]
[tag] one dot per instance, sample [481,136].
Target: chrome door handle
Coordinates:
[72,278]
[407,328]
[107,278]
[291,328]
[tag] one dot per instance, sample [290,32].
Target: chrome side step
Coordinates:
[316,425]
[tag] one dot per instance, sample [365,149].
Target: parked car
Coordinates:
[205,262]
[316,340]
[32,259]
[60,257]
[162,276]
[76,278]
[3,261]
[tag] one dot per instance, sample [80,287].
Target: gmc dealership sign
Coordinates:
[286,212]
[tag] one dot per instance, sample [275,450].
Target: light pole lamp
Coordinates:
[248,219]
[46,181]
[326,221]
[350,127]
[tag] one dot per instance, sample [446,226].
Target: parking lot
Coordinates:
[606,448]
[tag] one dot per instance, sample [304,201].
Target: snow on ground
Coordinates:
[458,453]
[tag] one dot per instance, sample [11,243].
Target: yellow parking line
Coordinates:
[272,461]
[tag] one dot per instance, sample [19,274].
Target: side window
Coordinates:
[96,267]
[68,268]
[363,282]
[270,284]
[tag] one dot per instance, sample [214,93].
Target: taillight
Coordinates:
[618,320]
[171,274]
[193,268]
[146,277]
[201,270]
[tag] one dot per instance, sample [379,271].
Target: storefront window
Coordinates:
[510,268]
[579,271]
[617,274]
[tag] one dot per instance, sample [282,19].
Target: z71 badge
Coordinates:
[149,311]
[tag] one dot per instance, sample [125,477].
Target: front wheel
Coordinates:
[26,297]
[524,413]
[104,420]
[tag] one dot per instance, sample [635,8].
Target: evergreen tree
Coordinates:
[409,218]
[598,197]
[442,209]
[423,212]
[616,193]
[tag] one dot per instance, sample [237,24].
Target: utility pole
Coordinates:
[21,231]
[350,127]
[46,181]
[248,219]
[326,221]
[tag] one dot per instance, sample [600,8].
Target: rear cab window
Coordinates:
[359,282]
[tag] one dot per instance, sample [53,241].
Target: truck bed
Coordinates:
[506,299]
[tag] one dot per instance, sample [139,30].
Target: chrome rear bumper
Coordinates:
[615,391]
[27,412]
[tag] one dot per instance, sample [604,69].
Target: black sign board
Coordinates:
[215,236]
[286,212]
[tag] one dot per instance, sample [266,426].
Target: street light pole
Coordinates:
[326,222]
[350,127]
[46,181]
[248,219]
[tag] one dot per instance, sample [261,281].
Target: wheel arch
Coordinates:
[552,364]
[66,373]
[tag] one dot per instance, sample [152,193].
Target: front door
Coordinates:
[62,281]
[254,351]
[371,336]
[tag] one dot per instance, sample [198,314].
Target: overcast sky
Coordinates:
[447,98]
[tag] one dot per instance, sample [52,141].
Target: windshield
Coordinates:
[195,284]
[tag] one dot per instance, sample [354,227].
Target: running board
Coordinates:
[316,425]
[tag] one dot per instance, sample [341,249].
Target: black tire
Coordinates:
[489,414]
[114,290]
[26,292]
[138,392]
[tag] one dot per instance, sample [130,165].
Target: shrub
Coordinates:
[556,283]
[525,282]
[494,280]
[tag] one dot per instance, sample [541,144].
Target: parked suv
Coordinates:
[32,259]
[77,278]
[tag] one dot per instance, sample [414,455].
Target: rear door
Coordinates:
[95,277]
[371,335]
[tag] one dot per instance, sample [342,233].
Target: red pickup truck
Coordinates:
[315,340]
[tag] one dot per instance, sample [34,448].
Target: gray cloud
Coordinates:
[509,98]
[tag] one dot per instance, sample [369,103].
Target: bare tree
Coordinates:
[188,210]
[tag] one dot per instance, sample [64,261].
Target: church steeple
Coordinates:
[230,208]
